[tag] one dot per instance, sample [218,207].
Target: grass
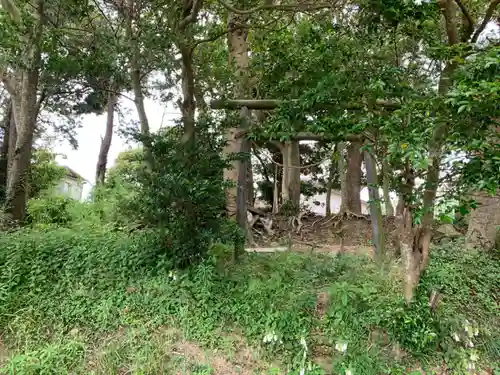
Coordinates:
[100,302]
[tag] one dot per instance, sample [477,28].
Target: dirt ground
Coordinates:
[322,234]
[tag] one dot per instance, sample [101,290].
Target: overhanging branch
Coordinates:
[267,104]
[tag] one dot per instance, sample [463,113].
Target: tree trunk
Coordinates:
[290,184]
[386,176]
[411,259]
[4,152]
[410,255]
[424,232]
[400,206]
[12,141]
[294,173]
[285,177]
[343,177]
[353,178]
[276,195]
[238,61]
[102,160]
[250,188]
[241,196]
[25,114]
[484,222]
[22,87]
[135,75]
[375,209]
[329,185]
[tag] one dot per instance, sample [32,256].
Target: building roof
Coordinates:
[72,174]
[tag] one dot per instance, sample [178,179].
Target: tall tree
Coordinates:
[102,159]
[238,61]
[21,80]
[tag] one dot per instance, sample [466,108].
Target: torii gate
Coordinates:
[244,105]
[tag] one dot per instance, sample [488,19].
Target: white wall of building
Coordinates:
[71,188]
[335,202]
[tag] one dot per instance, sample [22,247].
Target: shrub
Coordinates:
[183,196]
[49,210]
[40,265]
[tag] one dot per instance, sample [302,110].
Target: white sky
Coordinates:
[84,159]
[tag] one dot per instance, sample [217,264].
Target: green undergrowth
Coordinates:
[95,301]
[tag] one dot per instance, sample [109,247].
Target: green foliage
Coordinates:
[54,358]
[50,210]
[45,173]
[105,280]
[474,99]
[183,196]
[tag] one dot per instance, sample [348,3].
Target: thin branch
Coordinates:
[101,11]
[279,7]
[193,14]
[216,36]
[240,27]
[264,166]
[486,20]
[468,18]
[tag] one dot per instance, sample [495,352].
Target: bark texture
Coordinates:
[102,160]
[4,150]
[375,209]
[343,176]
[329,185]
[188,106]
[185,42]
[23,86]
[291,174]
[353,179]
[25,115]
[238,61]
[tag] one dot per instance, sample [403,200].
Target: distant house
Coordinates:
[317,203]
[71,185]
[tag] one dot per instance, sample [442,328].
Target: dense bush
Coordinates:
[182,198]
[50,210]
